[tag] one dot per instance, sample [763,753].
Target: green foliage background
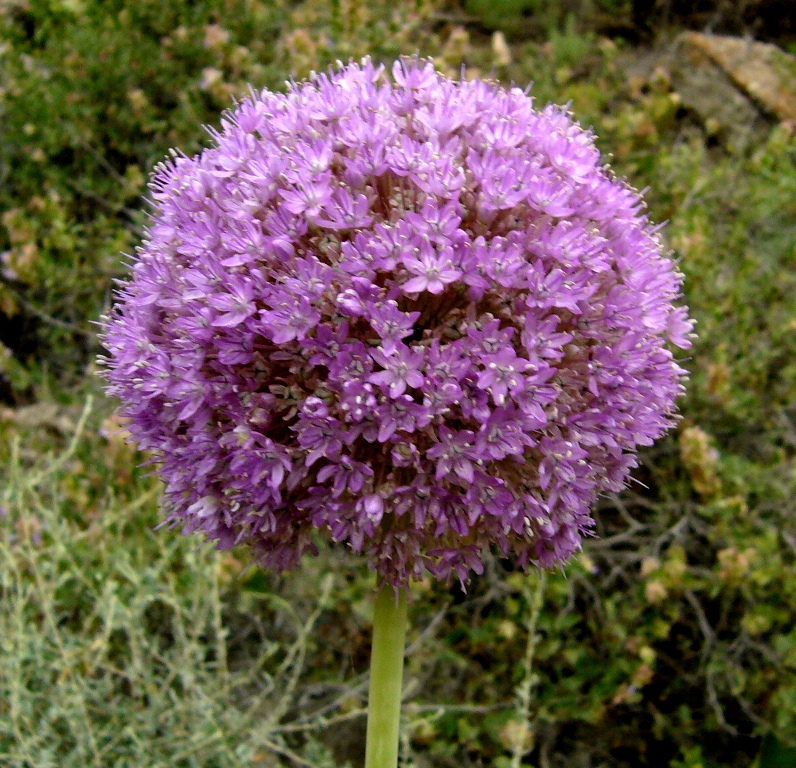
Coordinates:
[670,642]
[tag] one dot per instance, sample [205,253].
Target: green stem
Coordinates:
[386,672]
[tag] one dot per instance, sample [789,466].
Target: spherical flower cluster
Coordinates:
[412,314]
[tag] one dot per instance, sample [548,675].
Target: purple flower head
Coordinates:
[414,314]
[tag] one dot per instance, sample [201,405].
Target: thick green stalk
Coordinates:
[386,673]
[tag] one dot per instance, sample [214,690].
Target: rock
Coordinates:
[735,87]
[761,70]
[710,95]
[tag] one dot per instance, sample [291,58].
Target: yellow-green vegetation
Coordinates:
[669,642]
[92,95]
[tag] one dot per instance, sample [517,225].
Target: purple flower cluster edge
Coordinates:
[414,315]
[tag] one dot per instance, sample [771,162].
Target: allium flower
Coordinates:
[411,314]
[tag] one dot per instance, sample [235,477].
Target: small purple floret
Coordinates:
[415,315]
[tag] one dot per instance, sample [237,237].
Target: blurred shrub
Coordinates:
[521,18]
[321,32]
[92,94]
[636,19]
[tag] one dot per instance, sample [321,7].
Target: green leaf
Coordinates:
[776,755]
